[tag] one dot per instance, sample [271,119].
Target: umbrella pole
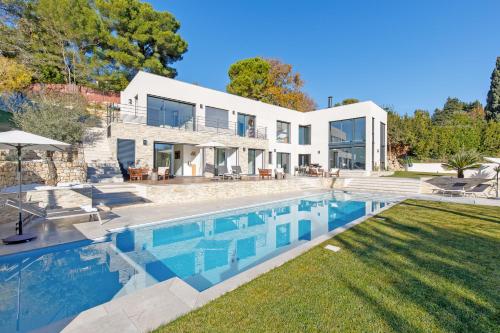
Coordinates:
[19,237]
[20,190]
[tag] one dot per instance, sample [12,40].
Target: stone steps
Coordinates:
[101,167]
[382,184]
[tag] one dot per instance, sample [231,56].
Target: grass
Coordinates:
[415,174]
[418,267]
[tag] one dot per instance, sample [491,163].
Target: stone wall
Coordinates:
[223,190]
[145,136]
[70,169]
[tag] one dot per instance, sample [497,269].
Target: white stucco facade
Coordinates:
[134,100]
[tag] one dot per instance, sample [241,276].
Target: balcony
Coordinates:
[123,113]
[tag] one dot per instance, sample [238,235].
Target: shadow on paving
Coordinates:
[443,269]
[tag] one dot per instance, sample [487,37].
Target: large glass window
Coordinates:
[283,161]
[304,159]
[246,125]
[215,117]
[348,158]
[165,112]
[283,132]
[304,135]
[382,146]
[347,131]
[359,130]
[163,155]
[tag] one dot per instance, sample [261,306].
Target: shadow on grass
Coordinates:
[449,273]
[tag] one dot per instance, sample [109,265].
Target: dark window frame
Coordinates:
[281,122]
[308,141]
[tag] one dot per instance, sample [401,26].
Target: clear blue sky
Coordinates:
[409,54]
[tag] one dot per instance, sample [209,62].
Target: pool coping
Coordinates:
[151,307]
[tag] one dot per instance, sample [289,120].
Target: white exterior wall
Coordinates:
[267,115]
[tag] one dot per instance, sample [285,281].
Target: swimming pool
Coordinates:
[48,287]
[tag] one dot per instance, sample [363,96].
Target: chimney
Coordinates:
[330,101]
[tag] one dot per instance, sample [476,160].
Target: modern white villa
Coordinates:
[163,122]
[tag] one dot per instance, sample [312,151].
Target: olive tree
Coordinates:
[58,116]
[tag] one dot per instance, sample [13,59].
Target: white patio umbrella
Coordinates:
[497,161]
[20,140]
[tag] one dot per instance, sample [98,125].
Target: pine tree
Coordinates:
[493,101]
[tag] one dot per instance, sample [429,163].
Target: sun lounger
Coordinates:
[27,207]
[224,173]
[87,210]
[210,168]
[478,190]
[54,214]
[236,171]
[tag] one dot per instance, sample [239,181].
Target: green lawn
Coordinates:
[424,267]
[414,174]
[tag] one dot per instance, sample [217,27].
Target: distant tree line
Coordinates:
[97,43]
[456,127]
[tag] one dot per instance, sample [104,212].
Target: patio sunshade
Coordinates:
[211,144]
[20,140]
[15,139]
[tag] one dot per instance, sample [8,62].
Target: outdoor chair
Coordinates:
[163,173]
[265,173]
[314,172]
[135,174]
[334,172]
[236,171]
[144,173]
[280,173]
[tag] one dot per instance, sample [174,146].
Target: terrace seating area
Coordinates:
[316,170]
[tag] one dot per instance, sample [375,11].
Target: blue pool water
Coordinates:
[47,288]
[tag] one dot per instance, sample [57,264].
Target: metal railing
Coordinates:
[124,113]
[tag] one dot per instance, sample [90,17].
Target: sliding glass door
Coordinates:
[220,158]
[163,155]
[283,161]
[255,160]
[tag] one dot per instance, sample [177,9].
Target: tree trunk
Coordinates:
[52,175]
[460,173]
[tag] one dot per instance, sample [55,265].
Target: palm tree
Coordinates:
[463,160]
